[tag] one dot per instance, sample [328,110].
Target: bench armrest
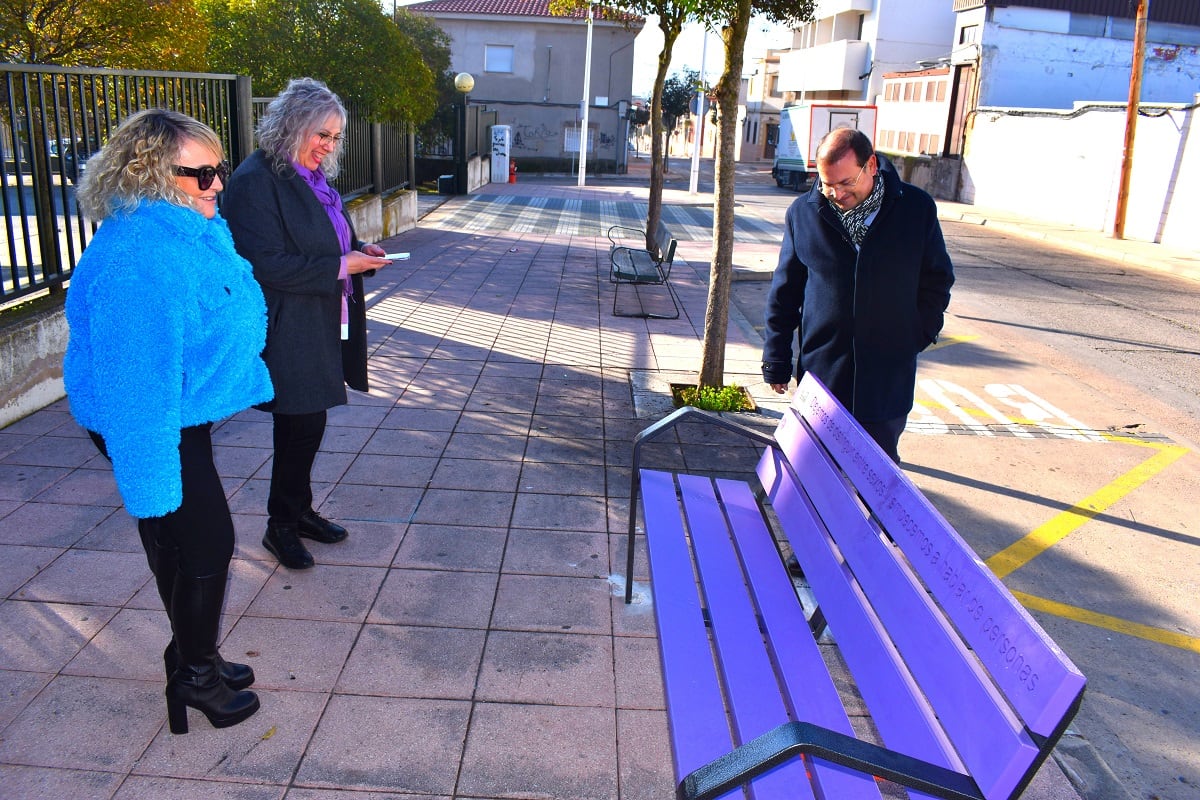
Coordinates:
[665,424]
[798,738]
[638,233]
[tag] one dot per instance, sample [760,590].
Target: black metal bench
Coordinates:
[956,691]
[641,265]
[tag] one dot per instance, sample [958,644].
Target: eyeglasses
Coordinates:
[206,175]
[844,186]
[330,139]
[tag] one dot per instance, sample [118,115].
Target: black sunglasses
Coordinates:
[206,175]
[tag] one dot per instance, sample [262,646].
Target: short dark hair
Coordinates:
[838,142]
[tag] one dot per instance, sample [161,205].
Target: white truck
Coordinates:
[800,130]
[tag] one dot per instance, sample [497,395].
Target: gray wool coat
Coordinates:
[281,228]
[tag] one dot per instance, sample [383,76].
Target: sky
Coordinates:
[688,49]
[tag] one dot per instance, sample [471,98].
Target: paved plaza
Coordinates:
[469,639]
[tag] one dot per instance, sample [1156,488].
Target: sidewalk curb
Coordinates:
[1109,252]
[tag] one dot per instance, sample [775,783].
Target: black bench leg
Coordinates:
[641,306]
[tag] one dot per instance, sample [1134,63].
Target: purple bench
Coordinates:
[956,691]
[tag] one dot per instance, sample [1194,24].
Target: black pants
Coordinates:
[887,434]
[201,528]
[297,440]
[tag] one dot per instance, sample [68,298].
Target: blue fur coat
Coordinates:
[166,327]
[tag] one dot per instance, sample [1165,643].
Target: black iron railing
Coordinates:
[51,121]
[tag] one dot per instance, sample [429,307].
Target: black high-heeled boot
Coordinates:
[163,559]
[196,615]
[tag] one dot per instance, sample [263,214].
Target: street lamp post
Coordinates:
[587,90]
[464,83]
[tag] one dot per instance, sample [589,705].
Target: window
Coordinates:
[571,139]
[968,34]
[931,90]
[775,86]
[941,91]
[497,58]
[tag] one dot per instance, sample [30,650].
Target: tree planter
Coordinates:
[745,403]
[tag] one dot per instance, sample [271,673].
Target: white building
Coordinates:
[850,44]
[1054,53]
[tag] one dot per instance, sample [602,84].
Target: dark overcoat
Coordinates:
[282,229]
[863,315]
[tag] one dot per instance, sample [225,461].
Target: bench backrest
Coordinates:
[952,669]
[665,244]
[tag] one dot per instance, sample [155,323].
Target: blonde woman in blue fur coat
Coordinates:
[167,326]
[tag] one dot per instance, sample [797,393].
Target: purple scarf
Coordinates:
[332,202]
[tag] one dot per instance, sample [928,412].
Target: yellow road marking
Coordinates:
[1116,624]
[1067,522]
[946,341]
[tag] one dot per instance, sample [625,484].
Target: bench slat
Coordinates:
[810,691]
[1034,673]
[897,706]
[695,706]
[751,686]
[963,697]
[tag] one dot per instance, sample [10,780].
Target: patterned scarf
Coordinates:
[855,220]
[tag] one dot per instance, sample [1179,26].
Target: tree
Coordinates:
[131,34]
[349,44]
[672,14]
[733,17]
[677,94]
[434,45]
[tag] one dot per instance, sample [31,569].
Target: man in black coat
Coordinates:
[864,275]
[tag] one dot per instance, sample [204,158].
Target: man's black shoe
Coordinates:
[313,526]
[283,542]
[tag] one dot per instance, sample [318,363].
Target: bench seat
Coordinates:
[964,694]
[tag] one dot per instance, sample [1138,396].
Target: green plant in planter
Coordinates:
[714,398]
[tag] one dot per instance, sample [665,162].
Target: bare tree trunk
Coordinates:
[716,313]
[670,27]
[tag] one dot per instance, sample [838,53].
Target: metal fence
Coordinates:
[51,120]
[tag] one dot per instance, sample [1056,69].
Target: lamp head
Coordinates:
[464,82]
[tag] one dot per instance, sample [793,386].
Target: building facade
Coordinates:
[528,66]
[914,110]
[850,45]
[1054,53]
[760,102]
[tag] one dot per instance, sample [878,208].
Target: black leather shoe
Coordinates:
[313,526]
[283,542]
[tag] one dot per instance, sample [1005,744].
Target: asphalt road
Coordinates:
[1058,429]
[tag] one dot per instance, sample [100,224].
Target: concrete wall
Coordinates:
[31,352]
[1035,58]
[1066,168]
[378,217]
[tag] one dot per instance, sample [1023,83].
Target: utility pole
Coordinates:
[1131,113]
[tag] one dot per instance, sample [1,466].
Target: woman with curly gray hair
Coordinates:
[288,221]
[167,323]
